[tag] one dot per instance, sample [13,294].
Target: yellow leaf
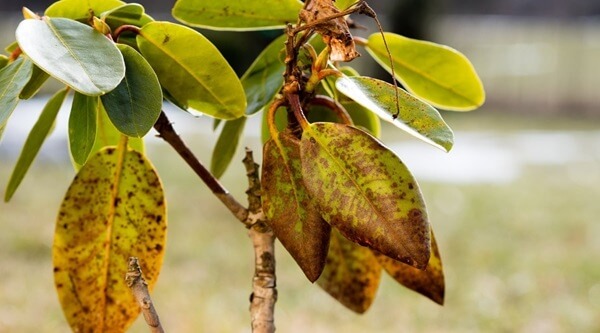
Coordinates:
[114,209]
[428,282]
[351,274]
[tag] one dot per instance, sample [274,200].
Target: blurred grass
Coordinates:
[519,257]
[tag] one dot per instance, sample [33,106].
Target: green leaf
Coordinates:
[280,123]
[428,282]
[81,10]
[291,213]
[34,142]
[237,15]
[114,209]
[12,80]
[365,191]
[38,78]
[108,135]
[264,77]
[192,70]
[351,275]
[436,73]
[344,4]
[82,127]
[134,105]
[73,53]
[416,117]
[3,61]
[10,48]
[128,14]
[362,117]
[226,146]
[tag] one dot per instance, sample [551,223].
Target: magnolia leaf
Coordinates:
[415,117]
[82,127]
[344,4]
[264,77]
[113,210]
[81,10]
[3,61]
[135,104]
[291,213]
[226,146]
[73,53]
[351,274]
[428,282]
[12,80]
[108,135]
[237,15]
[129,14]
[436,73]
[365,191]
[192,70]
[34,142]
[362,117]
[38,78]
[280,124]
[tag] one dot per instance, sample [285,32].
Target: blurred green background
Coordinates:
[515,204]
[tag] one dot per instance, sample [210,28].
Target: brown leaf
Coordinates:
[335,32]
[352,274]
[428,282]
[291,213]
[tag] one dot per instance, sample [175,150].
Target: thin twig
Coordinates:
[166,132]
[264,286]
[135,281]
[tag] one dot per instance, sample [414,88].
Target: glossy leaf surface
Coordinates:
[81,10]
[38,78]
[108,135]
[34,142]
[416,117]
[134,105]
[12,80]
[129,14]
[82,127]
[226,146]
[192,70]
[73,53]
[344,4]
[437,73]
[428,282]
[237,15]
[3,61]
[365,191]
[351,275]
[114,209]
[264,77]
[291,213]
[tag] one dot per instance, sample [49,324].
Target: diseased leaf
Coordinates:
[237,15]
[34,142]
[436,73]
[108,135]
[12,80]
[134,105]
[365,191]
[351,275]
[81,10]
[82,127]
[416,117]
[192,70]
[73,53]
[38,78]
[264,77]
[428,282]
[226,146]
[362,117]
[114,209]
[291,213]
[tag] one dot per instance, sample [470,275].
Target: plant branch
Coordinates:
[264,286]
[166,132]
[139,288]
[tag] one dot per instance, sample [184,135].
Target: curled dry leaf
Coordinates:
[291,213]
[114,209]
[335,32]
[365,191]
[428,282]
